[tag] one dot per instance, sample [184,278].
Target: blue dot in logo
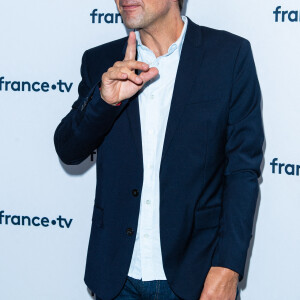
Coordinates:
[53,87]
[53,222]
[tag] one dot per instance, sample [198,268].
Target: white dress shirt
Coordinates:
[154,105]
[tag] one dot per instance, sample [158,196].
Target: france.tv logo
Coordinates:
[285,15]
[108,18]
[35,221]
[284,168]
[36,86]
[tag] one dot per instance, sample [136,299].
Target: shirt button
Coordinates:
[135,192]
[129,231]
[148,201]
[150,166]
[146,235]
[150,131]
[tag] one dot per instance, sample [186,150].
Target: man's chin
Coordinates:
[133,23]
[130,26]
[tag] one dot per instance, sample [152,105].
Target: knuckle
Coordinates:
[209,294]
[124,70]
[117,63]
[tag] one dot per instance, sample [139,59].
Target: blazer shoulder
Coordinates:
[223,39]
[98,59]
[108,50]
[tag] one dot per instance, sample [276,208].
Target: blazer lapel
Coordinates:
[133,113]
[188,68]
[190,60]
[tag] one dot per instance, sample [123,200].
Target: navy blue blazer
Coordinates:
[209,169]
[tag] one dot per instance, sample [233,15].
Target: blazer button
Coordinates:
[135,192]
[129,231]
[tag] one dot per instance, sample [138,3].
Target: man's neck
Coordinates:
[159,36]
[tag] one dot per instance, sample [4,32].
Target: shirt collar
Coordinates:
[176,45]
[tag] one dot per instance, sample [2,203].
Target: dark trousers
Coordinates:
[147,290]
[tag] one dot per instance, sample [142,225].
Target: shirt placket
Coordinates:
[151,115]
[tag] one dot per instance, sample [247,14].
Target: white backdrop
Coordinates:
[42,43]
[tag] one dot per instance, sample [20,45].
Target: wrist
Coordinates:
[113,104]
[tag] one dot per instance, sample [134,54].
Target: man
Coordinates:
[174,113]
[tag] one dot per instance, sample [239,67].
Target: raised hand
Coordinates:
[120,81]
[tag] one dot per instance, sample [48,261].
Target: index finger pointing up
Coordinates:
[131,47]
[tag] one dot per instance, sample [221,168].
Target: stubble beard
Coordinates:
[137,22]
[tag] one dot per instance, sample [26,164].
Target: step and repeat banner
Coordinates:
[46,206]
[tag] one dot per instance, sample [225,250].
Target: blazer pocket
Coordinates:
[207,217]
[97,217]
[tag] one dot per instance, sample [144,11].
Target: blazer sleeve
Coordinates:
[244,155]
[83,129]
